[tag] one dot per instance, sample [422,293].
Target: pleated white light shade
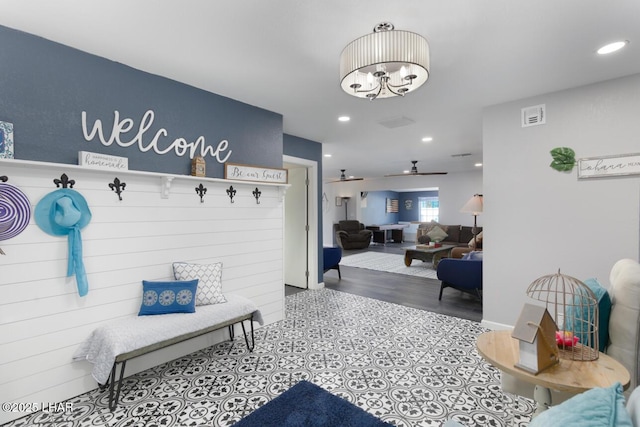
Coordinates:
[396,60]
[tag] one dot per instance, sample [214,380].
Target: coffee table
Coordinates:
[572,376]
[431,254]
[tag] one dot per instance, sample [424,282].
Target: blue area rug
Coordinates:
[306,404]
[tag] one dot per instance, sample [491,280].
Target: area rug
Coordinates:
[306,404]
[391,263]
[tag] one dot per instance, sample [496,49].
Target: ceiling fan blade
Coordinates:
[418,174]
[346,179]
[343,177]
[431,173]
[414,171]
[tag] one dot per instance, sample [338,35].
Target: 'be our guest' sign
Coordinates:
[254,173]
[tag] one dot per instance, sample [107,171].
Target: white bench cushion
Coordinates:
[136,332]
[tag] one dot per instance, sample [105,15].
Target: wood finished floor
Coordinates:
[401,289]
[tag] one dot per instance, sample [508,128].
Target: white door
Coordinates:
[296,229]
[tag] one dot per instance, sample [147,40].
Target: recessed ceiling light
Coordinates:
[327,155]
[612,47]
[478,165]
[344,118]
[427,139]
[405,171]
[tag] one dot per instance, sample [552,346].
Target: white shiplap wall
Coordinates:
[42,318]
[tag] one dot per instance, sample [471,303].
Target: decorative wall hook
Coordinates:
[231,192]
[201,190]
[64,181]
[4,178]
[118,187]
[257,193]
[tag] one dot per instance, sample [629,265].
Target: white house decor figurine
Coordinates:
[536,332]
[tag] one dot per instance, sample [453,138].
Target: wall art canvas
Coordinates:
[6,140]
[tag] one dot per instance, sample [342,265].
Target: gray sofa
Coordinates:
[457,235]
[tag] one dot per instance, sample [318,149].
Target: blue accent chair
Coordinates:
[332,257]
[461,274]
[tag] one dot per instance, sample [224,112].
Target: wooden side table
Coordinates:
[572,376]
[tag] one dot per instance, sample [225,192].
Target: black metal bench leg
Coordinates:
[246,339]
[113,400]
[231,333]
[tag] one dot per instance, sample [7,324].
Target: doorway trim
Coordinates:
[312,209]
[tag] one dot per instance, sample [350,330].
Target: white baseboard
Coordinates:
[495,326]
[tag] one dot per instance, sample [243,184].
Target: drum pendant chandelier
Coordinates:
[384,64]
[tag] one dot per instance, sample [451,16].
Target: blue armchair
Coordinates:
[461,274]
[332,257]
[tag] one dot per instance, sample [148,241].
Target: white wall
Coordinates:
[539,220]
[42,318]
[455,189]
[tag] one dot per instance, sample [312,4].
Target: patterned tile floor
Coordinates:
[406,366]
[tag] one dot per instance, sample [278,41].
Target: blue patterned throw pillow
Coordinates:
[168,297]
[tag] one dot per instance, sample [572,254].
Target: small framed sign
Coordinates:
[102,161]
[600,167]
[240,172]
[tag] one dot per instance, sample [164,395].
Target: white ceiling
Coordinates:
[282,55]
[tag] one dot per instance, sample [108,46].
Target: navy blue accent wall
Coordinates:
[309,150]
[45,86]
[413,214]
[375,212]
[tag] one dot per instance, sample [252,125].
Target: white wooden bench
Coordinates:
[121,340]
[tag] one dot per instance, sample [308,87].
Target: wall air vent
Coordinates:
[533,116]
[461,155]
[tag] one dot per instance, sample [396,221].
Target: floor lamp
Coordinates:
[346,211]
[474,206]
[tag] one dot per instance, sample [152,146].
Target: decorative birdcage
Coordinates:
[574,308]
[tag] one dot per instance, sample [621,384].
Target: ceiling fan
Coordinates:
[414,171]
[343,177]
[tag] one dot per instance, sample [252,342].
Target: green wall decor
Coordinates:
[564,159]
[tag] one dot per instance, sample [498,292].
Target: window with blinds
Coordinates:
[429,208]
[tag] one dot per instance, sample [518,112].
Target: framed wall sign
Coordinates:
[240,172]
[391,206]
[608,166]
[102,161]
